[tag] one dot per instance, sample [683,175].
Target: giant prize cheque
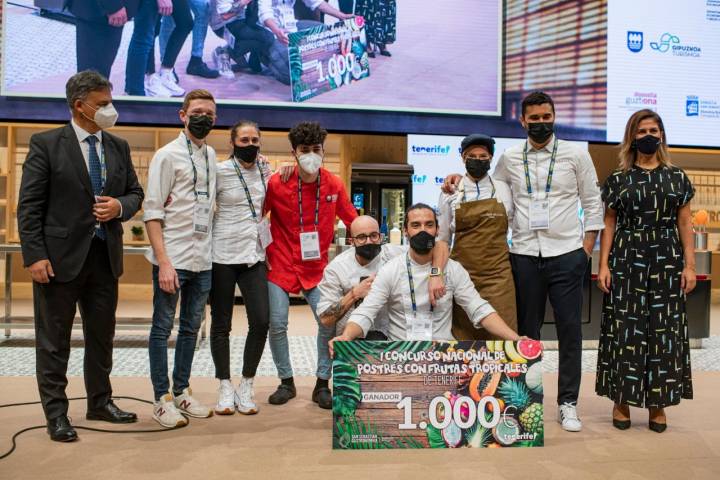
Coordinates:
[327,57]
[424,394]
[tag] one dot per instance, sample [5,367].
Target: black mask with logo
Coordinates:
[647,145]
[422,242]
[477,168]
[200,125]
[247,154]
[368,251]
[539,132]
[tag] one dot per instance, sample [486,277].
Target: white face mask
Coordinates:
[310,162]
[105,116]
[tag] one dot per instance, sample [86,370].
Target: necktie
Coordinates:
[95,177]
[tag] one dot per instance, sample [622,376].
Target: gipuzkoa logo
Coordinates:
[432,150]
[670,42]
[692,106]
[635,41]
[419,179]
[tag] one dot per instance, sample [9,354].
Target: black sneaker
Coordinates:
[282,394]
[323,397]
[197,67]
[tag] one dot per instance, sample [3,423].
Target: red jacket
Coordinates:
[286,269]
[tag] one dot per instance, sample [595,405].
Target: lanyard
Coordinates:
[207,170]
[245,187]
[412,285]
[317,202]
[477,185]
[551,168]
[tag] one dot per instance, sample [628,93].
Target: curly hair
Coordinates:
[307,133]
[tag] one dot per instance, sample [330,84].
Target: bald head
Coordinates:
[363,224]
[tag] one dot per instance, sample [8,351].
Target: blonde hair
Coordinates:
[628,152]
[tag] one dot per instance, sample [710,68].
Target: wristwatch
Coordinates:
[435,272]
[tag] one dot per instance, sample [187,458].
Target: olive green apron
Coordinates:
[481,247]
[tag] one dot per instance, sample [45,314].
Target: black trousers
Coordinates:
[97,46]
[346,6]
[95,291]
[252,281]
[561,279]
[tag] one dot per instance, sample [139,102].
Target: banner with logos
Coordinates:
[403,394]
[665,56]
[327,57]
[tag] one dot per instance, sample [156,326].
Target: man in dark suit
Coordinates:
[99,29]
[78,185]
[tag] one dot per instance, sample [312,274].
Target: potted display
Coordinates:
[138,233]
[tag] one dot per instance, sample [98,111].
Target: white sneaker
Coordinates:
[226,398]
[244,397]
[154,87]
[165,413]
[568,417]
[168,81]
[221,57]
[190,406]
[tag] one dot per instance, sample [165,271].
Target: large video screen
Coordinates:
[665,55]
[417,56]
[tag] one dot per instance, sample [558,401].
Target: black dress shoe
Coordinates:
[60,429]
[111,413]
[621,424]
[323,397]
[282,394]
[657,427]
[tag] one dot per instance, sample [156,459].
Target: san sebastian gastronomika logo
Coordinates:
[671,43]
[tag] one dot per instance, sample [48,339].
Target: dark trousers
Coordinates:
[95,291]
[249,38]
[252,281]
[346,6]
[561,279]
[97,46]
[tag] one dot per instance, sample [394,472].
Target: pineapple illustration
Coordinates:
[517,394]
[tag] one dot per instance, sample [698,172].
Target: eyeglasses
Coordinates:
[363,237]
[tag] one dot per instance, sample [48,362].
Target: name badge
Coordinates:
[420,326]
[201,214]
[264,234]
[309,246]
[539,214]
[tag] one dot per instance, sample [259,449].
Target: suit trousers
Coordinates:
[95,291]
[97,45]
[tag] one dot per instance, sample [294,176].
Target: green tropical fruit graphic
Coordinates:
[531,419]
[515,393]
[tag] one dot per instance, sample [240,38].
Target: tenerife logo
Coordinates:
[419,179]
[670,42]
[692,106]
[433,150]
[635,41]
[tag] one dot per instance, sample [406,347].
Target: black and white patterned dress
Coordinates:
[644,353]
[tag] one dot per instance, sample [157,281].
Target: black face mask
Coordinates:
[647,145]
[539,132]
[247,154]
[422,242]
[368,251]
[200,125]
[477,168]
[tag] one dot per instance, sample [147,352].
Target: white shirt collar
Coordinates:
[82,134]
[547,148]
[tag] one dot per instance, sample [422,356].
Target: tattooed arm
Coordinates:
[331,315]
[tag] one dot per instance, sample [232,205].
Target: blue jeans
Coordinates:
[193,294]
[141,44]
[201,13]
[279,309]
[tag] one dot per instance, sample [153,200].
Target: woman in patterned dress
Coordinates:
[647,267]
[380,23]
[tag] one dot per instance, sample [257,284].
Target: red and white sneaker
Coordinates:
[190,406]
[166,414]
